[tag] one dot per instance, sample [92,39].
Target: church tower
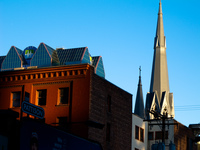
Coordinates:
[159,98]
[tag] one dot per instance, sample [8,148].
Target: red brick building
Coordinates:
[75,98]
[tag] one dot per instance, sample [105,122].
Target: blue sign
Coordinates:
[32,110]
[29,51]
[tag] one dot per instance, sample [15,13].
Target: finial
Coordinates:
[140,71]
[160,8]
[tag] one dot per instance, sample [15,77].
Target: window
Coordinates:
[41,95]
[137,132]
[109,103]
[150,136]
[159,135]
[189,143]
[62,122]
[16,99]
[63,95]
[141,135]
[108,132]
[27,95]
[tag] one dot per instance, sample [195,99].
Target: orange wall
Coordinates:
[77,77]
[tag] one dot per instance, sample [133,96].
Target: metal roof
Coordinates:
[70,55]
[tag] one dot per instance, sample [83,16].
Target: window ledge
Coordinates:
[43,106]
[15,107]
[62,105]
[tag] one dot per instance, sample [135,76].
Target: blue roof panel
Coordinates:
[100,68]
[95,60]
[70,55]
[50,50]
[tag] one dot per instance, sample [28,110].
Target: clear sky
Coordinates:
[122,32]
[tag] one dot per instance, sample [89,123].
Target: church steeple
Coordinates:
[159,77]
[139,103]
[159,97]
[160,37]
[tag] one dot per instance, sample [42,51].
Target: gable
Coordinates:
[155,105]
[13,59]
[100,68]
[86,57]
[41,57]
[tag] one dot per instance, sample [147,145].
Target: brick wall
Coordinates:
[119,117]
[183,137]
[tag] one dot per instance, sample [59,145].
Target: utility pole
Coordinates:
[159,117]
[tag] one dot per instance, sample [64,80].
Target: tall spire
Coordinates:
[159,97]
[139,104]
[160,37]
[159,77]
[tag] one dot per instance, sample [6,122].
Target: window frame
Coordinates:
[137,133]
[152,135]
[109,103]
[157,134]
[108,132]
[142,135]
[62,122]
[15,99]
[160,132]
[39,98]
[59,96]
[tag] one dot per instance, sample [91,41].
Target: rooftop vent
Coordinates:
[60,48]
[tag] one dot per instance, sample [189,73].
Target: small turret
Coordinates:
[139,103]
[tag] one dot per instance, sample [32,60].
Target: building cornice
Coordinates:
[39,74]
